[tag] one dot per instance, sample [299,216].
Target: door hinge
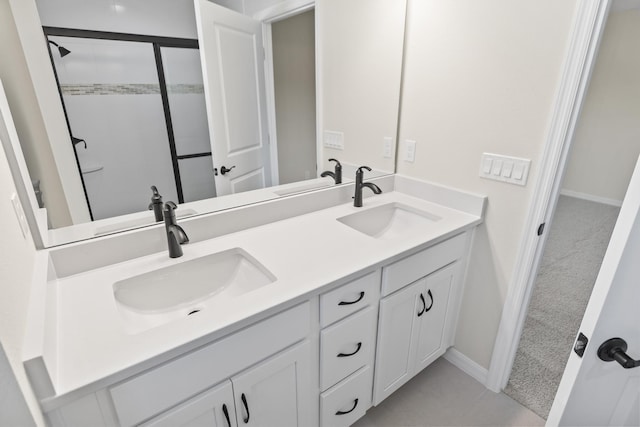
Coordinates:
[541,229]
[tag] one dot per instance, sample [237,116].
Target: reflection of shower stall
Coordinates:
[138,102]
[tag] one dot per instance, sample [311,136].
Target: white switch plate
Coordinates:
[22,219]
[387,149]
[409,150]
[333,139]
[513,170]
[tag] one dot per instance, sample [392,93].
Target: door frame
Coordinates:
[278,12]
[589,22]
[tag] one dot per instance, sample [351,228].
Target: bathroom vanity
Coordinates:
[306,317]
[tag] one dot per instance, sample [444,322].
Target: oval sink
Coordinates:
[389,221]
[150,299]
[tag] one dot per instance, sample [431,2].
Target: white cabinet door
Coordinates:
[411,330]
[276,392]
[213,408]
[397,332]
[432,322]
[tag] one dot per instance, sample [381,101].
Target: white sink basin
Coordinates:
[389,221]
[160,296]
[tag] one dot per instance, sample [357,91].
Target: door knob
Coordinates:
[615,349]
[224,169]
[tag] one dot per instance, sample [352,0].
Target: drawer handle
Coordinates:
[226,414]
[352,302]
[426,309]
[246,407]
[351,354]
[355,404]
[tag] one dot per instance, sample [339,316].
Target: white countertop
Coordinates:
[307,254]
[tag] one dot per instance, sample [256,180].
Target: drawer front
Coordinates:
[341,302]
[345,403]
[161,388]
[347,346]
[408,270]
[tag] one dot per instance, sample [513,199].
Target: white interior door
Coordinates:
[232,56]
[593,391]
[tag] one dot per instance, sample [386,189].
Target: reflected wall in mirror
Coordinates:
[360,67]
[133,92]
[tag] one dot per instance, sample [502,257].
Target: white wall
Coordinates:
[295,95]
[481,77]
[16,268]
[607,139]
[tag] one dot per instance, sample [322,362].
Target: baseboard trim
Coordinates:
[591,198]
[467,365]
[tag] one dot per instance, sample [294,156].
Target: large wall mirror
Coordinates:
[182,96]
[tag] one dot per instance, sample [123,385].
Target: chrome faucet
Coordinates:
[175,234]
[337,174]
[156,204]
[357,198]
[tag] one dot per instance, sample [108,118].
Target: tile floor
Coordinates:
[443,395]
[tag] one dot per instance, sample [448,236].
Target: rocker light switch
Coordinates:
[513,170]
[334,140]
[486,165]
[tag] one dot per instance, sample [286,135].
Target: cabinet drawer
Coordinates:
[161,388]
[345,403]
[347,346]
[349,298]
[408,270]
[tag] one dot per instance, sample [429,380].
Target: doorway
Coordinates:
[605,147]
[294,82]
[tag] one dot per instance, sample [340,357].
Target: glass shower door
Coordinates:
[111,94]
[185,93]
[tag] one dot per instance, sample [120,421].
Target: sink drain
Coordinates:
[194,311]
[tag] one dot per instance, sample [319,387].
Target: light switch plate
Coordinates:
[387,148]
[409,150]
[513,170]
[22,219]
[333,139]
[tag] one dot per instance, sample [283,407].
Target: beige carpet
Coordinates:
[576,245]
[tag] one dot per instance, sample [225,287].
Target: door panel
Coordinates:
[249,181]
[432,324]
[204,410]
[276,392]
[398,325]
[233,68]
[592,391]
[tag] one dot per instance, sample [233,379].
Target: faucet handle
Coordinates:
[170,206]
[156,198]
[338,165]
[363,167]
